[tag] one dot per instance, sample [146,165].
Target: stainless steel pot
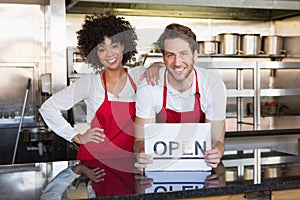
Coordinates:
[155,48]
[229,43]
[273,172]
[208,47]
[231,175]
[250,44]
[272,45]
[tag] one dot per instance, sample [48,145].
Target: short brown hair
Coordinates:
[177,31]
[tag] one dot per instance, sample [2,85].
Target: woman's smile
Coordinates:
[110,53]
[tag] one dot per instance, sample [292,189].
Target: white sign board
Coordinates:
[177,146]
[164,181]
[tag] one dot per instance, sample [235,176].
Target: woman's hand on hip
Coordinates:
[91,135]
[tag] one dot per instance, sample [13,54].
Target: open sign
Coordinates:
[177,146]
[164,181]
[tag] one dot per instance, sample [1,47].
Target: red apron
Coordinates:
[118,179]
[117,120]
[170,116]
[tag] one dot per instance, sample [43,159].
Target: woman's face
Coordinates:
[110,53]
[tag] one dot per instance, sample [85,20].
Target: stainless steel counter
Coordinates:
[30,180]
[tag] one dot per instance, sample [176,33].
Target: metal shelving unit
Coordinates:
[239,92]
[256,93]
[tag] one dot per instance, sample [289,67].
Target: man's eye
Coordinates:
[184,53]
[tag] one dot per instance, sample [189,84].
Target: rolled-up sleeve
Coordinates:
[51,110]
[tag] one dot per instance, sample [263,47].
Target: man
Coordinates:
[184,95]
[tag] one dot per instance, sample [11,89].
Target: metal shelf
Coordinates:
[278,65]
[240,93]
[256,92]
[279,92]
[227,65]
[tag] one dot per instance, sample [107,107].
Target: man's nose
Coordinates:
[178,60]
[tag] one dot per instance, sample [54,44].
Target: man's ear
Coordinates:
[195,55]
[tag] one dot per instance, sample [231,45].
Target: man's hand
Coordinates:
[142,161]
[213,157]
[142,183]
[217,178]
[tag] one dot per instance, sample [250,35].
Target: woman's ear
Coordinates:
[122,45]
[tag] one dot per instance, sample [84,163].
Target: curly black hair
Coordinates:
[95,28]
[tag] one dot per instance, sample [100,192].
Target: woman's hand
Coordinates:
[142,161]
[95,175]
[152,73]
[91,135]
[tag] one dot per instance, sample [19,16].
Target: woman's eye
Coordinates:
[115,46]
[101,50]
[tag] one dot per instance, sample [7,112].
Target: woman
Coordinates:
[106,42]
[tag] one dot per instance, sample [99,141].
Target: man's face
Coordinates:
[178,58]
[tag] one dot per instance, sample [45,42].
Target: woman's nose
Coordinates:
[109,52]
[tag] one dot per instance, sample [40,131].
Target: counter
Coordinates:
[261,159]
[54,180]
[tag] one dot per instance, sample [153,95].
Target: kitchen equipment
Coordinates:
[231,175]
[229,43]
[21,121]
[46,84]
[291,46]
[38,138]
[272,45]
[155,48]
[37,134]
[76,65]
[249,173]
[14,77]
[250,44]
[273,171]
[208,47]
